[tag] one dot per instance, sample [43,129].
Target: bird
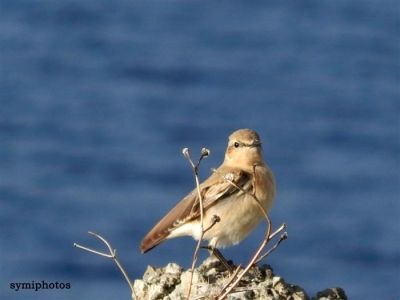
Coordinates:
[233,194]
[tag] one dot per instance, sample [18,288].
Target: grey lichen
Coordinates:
[172,283]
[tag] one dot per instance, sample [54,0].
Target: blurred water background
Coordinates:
[99,97]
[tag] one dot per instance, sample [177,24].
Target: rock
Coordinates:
[155,292]
[331,294]
[150,274]
[140,288]
[172,283]
[197,282]
[275,281]
[245,295]
[173,269]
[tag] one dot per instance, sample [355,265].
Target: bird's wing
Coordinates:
[214,189]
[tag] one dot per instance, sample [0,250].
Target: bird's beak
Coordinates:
[255,144]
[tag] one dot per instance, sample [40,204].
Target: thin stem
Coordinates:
[204,153]
[104,241]
[244,191]
[282,227]
[112,255]
[93,251]
[234,282]
[283,237]
[271,236]
[215,219]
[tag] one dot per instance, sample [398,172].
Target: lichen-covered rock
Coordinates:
[173,269]
[172,283]
[244,295]
[140,289]
[331,294]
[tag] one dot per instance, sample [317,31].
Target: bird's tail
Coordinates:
[151,240]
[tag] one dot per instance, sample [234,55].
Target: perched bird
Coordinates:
[227,193]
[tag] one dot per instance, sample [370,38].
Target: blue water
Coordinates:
[98,99]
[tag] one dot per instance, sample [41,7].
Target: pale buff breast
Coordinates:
[240,213]
[239,216]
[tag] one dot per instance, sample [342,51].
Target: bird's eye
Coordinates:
[236,145]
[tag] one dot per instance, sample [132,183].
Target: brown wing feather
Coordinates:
[214,188]
[161,230]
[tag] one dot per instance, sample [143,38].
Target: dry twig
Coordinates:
[235,279]
[283,237]
[112,254]
[195,168]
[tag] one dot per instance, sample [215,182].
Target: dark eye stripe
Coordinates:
[241,144]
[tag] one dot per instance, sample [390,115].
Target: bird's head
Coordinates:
[244,149]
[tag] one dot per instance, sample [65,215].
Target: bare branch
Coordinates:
[282,227]
[93,251]
[215,219]
[235,279]
[104,241]
[234,282]
[254,181]
[112,255]
[230,181]
[204,153]
[283,237]
[186,153]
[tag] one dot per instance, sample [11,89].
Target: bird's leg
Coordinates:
[214,251]
[223,260]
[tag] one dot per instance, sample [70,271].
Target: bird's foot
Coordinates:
[221,258]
